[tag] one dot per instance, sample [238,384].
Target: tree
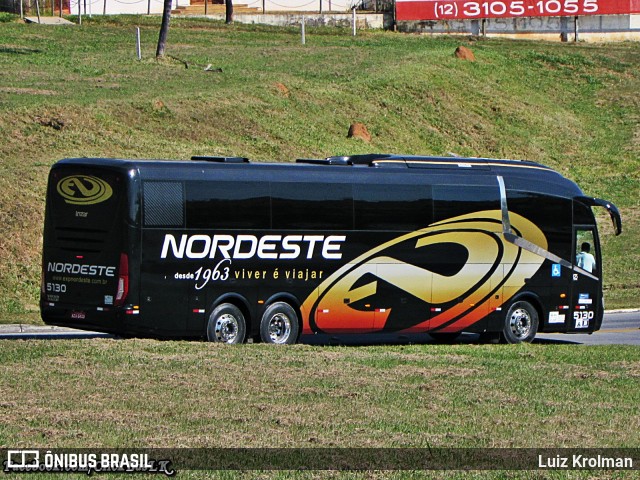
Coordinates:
[164,29]
[228,11]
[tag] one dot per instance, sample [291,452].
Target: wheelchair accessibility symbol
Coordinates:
[556,270]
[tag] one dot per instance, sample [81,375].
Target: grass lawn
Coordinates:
[144,393]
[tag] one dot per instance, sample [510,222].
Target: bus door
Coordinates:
[586,286]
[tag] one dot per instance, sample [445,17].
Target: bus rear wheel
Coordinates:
[521,323]
[226,324]
[279,324]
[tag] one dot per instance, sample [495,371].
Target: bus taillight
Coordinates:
[123,280]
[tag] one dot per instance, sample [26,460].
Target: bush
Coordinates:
[6,17]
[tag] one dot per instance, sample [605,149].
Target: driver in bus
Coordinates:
[584,259]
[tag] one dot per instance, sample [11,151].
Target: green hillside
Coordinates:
[80,91]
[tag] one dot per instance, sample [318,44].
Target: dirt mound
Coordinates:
[464,53]
[282,88]
[359,130]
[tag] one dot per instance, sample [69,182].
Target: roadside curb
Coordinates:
[22,328]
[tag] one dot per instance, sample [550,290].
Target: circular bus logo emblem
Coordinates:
[84,190]
[450,274]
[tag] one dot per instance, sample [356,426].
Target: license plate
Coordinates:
[78,315]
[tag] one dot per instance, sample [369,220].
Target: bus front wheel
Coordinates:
[521,323]
[279,324]
[226,325]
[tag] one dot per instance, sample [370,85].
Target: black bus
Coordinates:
[229,250]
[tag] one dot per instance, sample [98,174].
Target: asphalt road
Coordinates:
[618,328]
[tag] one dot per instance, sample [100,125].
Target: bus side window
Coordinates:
[389,207]
[228,205]
[452,201]
[311,206]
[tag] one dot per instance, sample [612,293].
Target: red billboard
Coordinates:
[467,9]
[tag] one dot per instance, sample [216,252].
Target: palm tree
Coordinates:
[228,11]
[164,29]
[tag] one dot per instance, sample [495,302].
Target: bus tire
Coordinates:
[226,325]
[520,323]
[279,324]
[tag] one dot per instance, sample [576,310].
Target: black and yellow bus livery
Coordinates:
[226,249]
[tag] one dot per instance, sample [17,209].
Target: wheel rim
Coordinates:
[279,328]
[226,328]
[520,323]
